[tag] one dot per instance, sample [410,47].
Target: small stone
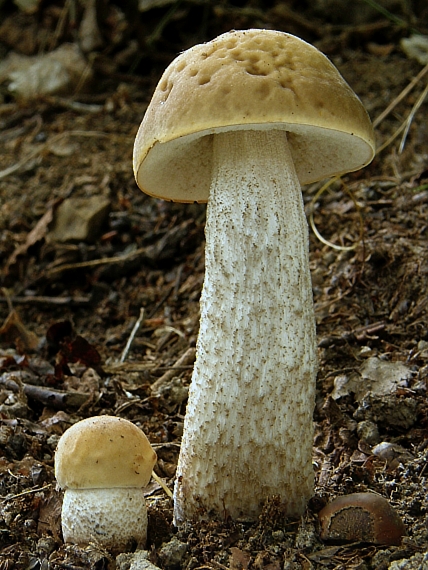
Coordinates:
[368,431]
[417,562]
[172,552]
[79,219]
[390,410]
[138,560]
[46,545]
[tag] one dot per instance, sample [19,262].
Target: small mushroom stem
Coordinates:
[248,429]
[115,518]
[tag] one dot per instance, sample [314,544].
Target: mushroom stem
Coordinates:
[248,428]
[115,518]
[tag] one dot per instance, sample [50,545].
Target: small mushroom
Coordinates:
[240,122]
[364,517]
[103,463]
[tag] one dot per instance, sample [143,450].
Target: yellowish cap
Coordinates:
[103,452]
[251,79]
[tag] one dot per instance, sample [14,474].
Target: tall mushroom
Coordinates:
[240,122]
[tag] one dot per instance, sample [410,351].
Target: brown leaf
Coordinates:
[80,350]
[15,332]
[50,515]
[36,234]
[58,332]
[239,560]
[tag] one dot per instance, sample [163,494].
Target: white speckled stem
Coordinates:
[248,428]
[114,518]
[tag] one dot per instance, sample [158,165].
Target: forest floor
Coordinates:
[71,295]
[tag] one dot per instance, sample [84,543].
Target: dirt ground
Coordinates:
[69,301]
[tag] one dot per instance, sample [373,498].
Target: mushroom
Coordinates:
[240,122]
[103,463]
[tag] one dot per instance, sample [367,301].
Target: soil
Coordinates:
[68,346]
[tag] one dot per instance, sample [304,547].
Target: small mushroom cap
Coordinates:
[103,452]
[250,79]
[364,517]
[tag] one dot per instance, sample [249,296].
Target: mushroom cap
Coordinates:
[250,79]
[103,452]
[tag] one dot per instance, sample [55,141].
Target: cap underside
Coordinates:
[180,170]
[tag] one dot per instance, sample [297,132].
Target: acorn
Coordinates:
[361,517]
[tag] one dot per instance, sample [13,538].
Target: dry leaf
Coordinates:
[15,332]
[239,560]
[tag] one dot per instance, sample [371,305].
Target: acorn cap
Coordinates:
[365,517]
[250,79]
[103,452]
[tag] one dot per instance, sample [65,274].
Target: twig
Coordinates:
[215,564]
[48,144]
[322,306]
[382,10]
[409,119]
[143,253]
[41,300]
[134,402]
[56,399]
[140,254]
[27,492]
[391,138]
[357,207]
[132,336]
[7,299]
[141,366]
[359,334]
[60,25]
[163,485]
[157,32]
[73,105]
[160,303]
[405,125]
[401,96]
[187,358]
